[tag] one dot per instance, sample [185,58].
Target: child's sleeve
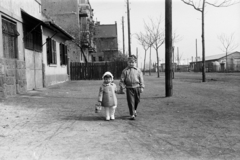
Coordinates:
[100,94]
[122,80]
[141,80]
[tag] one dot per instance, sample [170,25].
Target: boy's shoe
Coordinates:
[135,113]
[107,118]
[132,117]
[112,117]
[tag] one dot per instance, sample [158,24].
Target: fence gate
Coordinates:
[94,71]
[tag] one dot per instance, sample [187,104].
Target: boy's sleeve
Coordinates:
[100,94]
[141,80]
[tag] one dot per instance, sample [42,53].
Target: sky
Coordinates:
[186,24]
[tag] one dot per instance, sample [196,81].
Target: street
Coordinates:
[199,122]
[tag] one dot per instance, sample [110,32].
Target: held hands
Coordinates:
[141,90]
[99,103]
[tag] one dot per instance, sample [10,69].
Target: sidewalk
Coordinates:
[199,122]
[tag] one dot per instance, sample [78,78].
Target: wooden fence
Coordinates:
[94,71]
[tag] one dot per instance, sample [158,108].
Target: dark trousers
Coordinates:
[133,98]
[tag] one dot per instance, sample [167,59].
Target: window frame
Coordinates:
[51,51]
[63,54]
[10,38]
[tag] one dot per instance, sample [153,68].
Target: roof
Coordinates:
[55,27]
[213,57]
[216,57]
[49,24]
[106,31]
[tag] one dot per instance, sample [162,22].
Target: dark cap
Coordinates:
[133,58]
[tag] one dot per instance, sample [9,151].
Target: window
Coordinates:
[63,54]
[93,59]
[51,51]
[100,58]
[33,38]
[10,34]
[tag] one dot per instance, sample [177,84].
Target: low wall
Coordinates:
[55,79]
[12,77]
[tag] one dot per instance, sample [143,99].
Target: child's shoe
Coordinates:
[135,113]
[132,117]
[107,118]
[112,117]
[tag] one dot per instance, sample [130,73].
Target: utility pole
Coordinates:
[168,48]
[150,61]
[178,58]
[173,67]
[196,56]
[129,32]
[123,35]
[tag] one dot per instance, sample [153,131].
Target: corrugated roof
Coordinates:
[213,57]
[106,31]
[218,56]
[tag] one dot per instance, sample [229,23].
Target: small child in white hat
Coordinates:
[107,96]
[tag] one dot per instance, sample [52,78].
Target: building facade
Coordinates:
[22,54]
[219,63]
[76,17]
[106,40]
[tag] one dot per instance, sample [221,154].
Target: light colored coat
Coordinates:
[131,77]
[107,95]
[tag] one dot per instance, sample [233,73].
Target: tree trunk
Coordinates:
[150,62]
[203,45]
[144,62]
[226,62]
[158,74]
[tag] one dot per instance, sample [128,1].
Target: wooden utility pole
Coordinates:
[173,63]
[123,35]
[129,32]
[168,48]
[196,56]
[178,58]
[203,45]
[150,61]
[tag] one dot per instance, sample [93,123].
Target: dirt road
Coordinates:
[199,122]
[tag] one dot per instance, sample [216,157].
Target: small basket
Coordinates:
[98,108]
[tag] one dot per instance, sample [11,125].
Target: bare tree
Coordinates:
[228,45]
[200,5]
[156,37]
[142,38]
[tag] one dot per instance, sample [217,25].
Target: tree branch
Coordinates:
[191,3]
[225,3]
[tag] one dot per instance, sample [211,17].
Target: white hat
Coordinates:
[107,73]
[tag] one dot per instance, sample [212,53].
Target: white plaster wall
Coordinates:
[32,7]
[53,69]
[12,9]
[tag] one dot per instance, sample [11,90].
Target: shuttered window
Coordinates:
[51,51]
[9,35]
[33,39]
[63,54]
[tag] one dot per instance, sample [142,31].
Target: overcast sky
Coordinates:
[186,24]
